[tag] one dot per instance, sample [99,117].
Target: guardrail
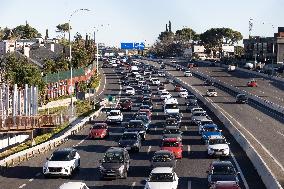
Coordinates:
[263,170]
[258,101]
[46,146]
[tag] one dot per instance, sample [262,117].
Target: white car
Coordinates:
[187,74]
[130,91]
[62,162]
[73,185]
[196,109]
[114,116]
[161,74]
[162,177]
[211,92]
[165,95]
[161,90]
[171,107]
[218,146]
[155,81]
[183,93]
[199,116]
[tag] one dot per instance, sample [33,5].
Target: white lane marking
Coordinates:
[38,174]
[31,180]
[103,88]
[155,128]
[280,133]
[22,186]
[239,169]
[188,148]
[149,149]
[185,128]
[80,142]
[189,185]
[133,184]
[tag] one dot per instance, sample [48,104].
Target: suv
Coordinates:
[125,104]
[136,126]
[130,141]
[114,116]
[115,163]
[218,146]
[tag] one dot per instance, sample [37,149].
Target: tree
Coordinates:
[19,71]
[186,34]
[166,36]
[26,32]
[63,28]
[170,26]
[49,66]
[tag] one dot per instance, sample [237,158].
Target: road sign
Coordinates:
[126,45]
[133,46]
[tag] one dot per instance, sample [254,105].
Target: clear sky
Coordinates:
[140,20]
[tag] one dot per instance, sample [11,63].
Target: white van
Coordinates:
[171,106]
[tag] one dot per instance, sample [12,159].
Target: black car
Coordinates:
[130,141]
[115,163]
[208,82]
[241,99]
[148,103]
[163,66]
[163,158]
[191,103]
[172,132]
[178,68]
[176,116]
[171,122]
[222,171]
[136,126]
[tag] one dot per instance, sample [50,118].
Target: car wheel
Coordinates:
[79,164]
[71,172]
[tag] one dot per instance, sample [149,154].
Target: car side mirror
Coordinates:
[47,158]
[238,173]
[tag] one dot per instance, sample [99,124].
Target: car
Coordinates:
[198,116]
[163,66]
[165,95]
[162,177]
[146,121]
[203,123]
[208,82]
[211,92]
[171,107]
[241,99]
[62,162]
[176,116]
[168,80]
[187,73]
[125,104]
[252,83]
[147,111]
[136,126]
[222,171]
[130,141]
[73,185]
[161,73]
[144,106]
[171,121]
[114,116]
[163,158]
[115,163]
[147,72]
[99,130]
[161,89]
[155,81]
[130,90]
[183,93]
[173,145]
[178,68]
[225,185]
[196,109]
[172,132]
[191,97]
[148,103]
[178,87]
[218,146]
[210,131]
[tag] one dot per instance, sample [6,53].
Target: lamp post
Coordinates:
[70,56]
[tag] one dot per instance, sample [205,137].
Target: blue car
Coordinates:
[146,121]
[209,131]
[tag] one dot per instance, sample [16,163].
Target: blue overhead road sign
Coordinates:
[139,46]
[126,45]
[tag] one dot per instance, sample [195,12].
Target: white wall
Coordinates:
[5,142]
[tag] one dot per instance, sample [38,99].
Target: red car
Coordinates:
[125,104]
[178,87]
[225,185]
[252,83]
[147,111]
[99,130]
[173,145]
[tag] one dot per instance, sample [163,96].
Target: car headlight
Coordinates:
[226,149]
[136,144]
[121,168]
[102,168]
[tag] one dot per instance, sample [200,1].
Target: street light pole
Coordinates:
[70,57]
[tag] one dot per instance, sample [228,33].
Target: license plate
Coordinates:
[219,153]
[128,148]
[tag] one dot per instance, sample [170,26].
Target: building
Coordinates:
[265,49]
[7,46]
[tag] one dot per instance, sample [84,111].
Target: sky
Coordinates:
[142,20]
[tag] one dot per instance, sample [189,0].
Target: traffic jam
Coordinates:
[144,87]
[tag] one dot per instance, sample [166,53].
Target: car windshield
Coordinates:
[165,93]
[223,170]
[60,156]
[129,136]
[171,106]
[161,177]
[101,126]
[242,97]
[114,113]
[170,144]
[200,114]
[135,124]
[210,129]
[113,157]
[172,131]
[171,121]
[211,90]
[144,107]
[217,141]
[162,158]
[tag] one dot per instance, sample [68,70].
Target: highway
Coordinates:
[272,91]
[191,169]
[264,132]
